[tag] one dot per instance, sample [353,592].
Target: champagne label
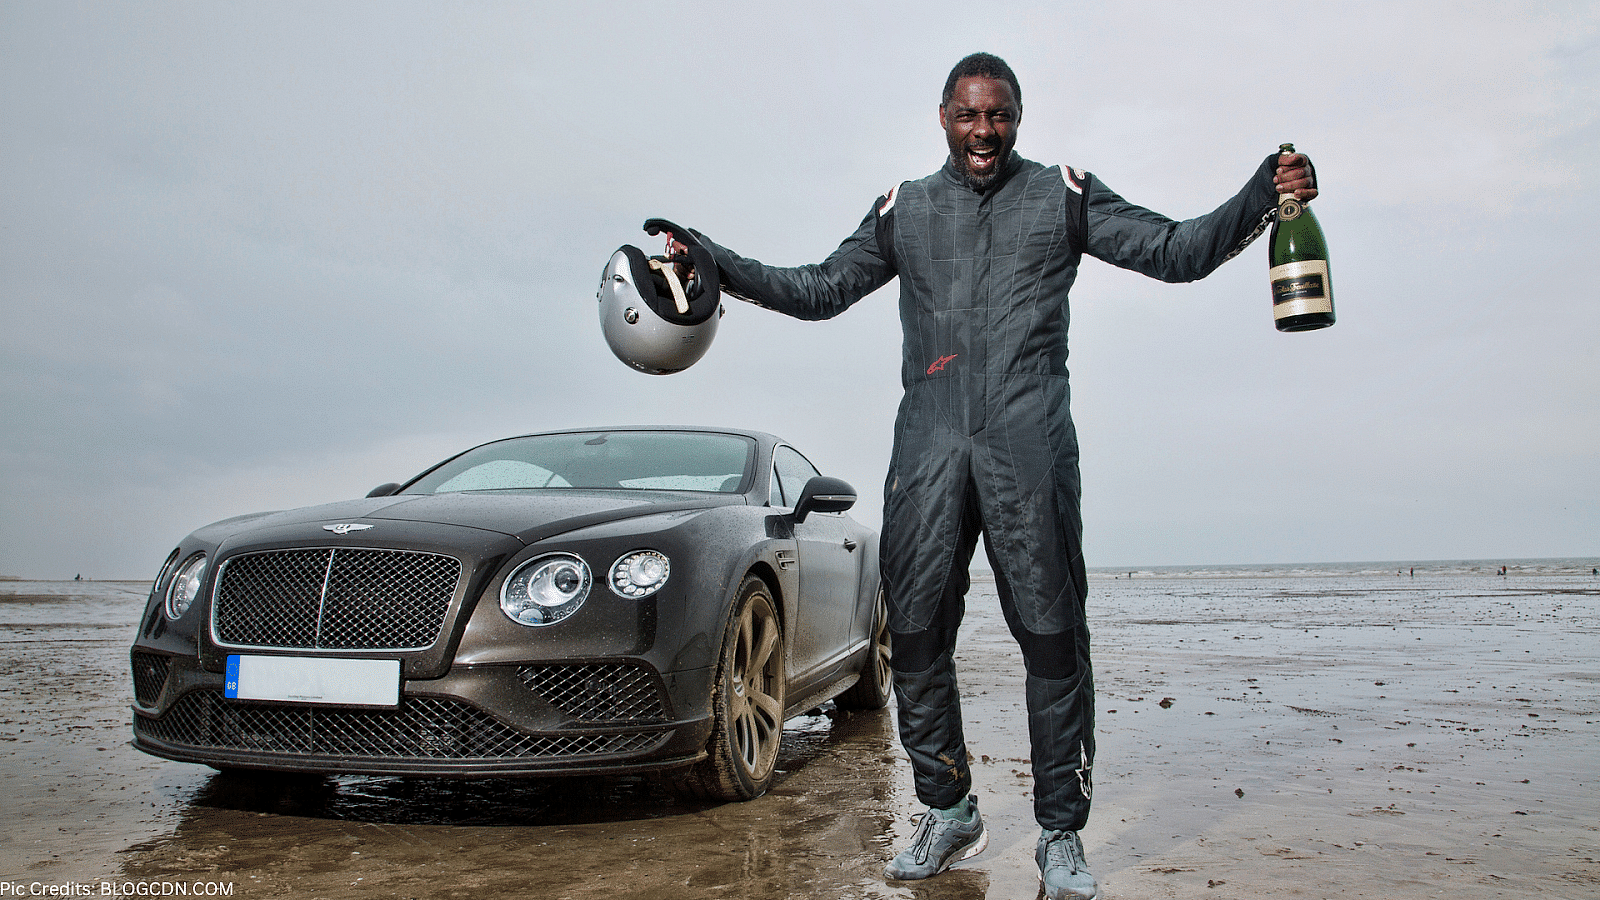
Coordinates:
[1288,207]
[1299,288]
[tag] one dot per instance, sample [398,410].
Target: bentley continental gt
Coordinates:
[612,600]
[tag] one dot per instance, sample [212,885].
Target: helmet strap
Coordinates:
[669,272]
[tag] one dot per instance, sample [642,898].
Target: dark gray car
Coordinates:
[609,600]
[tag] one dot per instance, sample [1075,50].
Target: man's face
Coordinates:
[980,122]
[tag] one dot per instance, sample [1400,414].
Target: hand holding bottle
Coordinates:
[1296,176]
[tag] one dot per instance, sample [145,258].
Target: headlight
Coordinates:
[546,590]
[185,586]
[640,574]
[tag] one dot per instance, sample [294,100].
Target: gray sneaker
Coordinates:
[1062,869]
[938,844]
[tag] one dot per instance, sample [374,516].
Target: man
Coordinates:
[986,250]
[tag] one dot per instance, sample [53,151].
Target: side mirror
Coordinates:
[824,494]
[383,490]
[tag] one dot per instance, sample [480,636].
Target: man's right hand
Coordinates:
[677,249]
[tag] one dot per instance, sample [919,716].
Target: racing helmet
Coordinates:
[651,319]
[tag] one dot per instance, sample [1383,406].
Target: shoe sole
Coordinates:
[1094,896]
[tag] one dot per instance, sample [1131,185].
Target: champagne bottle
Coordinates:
[1302,292]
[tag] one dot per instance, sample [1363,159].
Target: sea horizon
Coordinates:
[1551,565]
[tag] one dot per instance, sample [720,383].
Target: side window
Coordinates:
[791,471]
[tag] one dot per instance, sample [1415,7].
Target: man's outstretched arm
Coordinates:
[817,291]
[1147,242]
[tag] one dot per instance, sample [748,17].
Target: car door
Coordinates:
[829,566]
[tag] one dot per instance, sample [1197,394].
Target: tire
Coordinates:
[872,690]
[747,704]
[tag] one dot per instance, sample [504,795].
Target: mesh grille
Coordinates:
[608,692]
[335,599]
[149,677]
[422,728]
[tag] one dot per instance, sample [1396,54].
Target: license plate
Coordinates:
[309,679]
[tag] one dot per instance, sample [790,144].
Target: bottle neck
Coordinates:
[1288,206]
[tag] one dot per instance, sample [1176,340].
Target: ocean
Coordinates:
[1574,566]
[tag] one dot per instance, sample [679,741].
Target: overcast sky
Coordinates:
[257,256]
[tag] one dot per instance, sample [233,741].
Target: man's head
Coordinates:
[985,65]
[980,111]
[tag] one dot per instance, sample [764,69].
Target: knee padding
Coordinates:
[1054,656]
[914,651]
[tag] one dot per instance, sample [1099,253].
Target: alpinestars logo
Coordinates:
[1085,772]
[941,362]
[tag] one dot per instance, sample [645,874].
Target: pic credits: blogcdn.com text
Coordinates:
[9,889]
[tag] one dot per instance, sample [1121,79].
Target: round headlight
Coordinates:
[185,586]
[640,573]
[546,590]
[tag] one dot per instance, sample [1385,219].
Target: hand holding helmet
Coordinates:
[677,249]
[659,314]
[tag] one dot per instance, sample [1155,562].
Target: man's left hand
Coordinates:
[1295,176]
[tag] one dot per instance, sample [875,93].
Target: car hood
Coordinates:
[530,516]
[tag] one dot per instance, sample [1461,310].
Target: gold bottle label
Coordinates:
[1300,288]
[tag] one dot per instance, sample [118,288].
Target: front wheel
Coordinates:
[746,703]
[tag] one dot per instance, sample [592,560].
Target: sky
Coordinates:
[260,256]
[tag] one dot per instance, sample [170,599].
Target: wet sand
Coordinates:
[1317,736]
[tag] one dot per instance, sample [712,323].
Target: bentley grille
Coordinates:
[423,728]
[334,599]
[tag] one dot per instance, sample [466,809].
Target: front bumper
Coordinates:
[548,718]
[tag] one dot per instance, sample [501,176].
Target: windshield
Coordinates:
[635,460]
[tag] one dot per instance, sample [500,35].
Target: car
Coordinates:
[614,600]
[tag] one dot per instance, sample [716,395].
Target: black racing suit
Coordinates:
[984,441]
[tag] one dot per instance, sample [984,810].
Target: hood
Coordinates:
[529,516]
[532,516]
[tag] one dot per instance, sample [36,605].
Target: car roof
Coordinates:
[760,437]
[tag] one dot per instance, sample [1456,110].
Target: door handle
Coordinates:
[850,545]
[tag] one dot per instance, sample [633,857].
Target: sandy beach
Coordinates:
[1275,732]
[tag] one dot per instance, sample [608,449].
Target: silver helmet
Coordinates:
[651,318]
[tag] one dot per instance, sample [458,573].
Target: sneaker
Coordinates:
[939,843]
[1062,869]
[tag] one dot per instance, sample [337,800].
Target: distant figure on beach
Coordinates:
[1502,570]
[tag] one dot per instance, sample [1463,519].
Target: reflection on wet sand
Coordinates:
[818,832]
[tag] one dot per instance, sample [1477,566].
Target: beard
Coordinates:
[981,182]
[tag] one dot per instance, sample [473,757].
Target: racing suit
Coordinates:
[984,441]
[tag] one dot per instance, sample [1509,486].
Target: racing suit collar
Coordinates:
[953,172]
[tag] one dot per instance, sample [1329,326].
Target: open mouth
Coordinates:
[981,157]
